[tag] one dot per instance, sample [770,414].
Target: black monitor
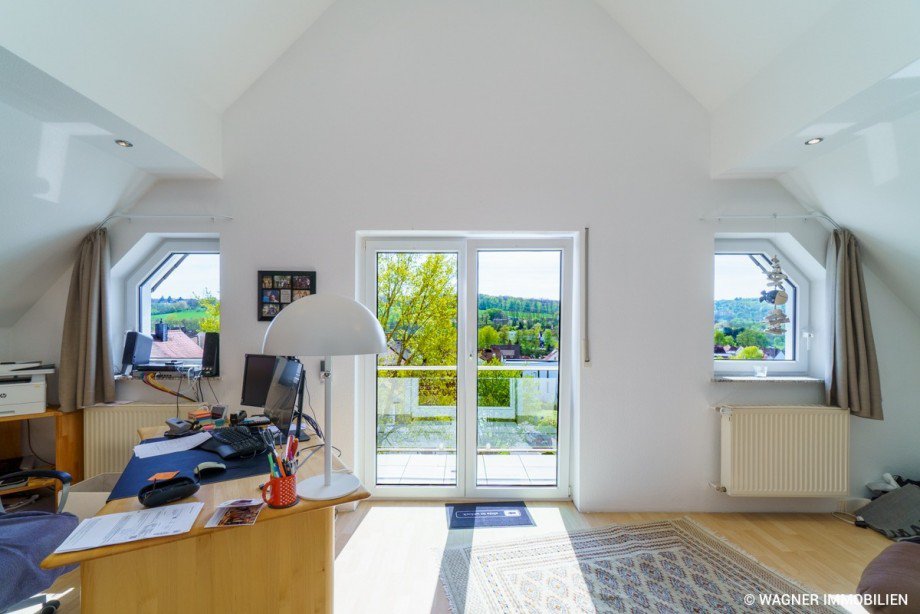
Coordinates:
[282,394]
[136,352]
[257,378]
[272,382]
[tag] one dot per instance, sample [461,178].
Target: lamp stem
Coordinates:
[327,424]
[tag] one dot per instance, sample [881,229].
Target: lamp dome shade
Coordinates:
[324,325]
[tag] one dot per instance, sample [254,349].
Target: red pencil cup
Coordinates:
[280,492]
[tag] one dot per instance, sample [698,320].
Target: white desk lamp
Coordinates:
[325,325]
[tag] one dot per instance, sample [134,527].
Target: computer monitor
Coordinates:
[282,394]
[257,379]
[272,382]
[136,352]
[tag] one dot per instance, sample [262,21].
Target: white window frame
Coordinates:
[566,368]
[137,309]
[369,370]
[466,247]
[799,365]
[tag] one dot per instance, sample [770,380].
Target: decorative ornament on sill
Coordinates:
[777,319]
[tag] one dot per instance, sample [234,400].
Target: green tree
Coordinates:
[417,307]
[487,337]
[549,340]
[748,353]
[210,323]
[751,337]
[529,340]
[494,387]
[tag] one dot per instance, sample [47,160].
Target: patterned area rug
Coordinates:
[667,566]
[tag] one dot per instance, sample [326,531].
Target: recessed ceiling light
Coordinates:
[814,141]
[124,143]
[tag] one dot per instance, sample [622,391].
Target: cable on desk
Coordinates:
[208,380]
[150,380]
[29,441]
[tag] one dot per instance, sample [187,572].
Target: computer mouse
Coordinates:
[209,468]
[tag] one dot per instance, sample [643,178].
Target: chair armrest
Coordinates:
[62,476]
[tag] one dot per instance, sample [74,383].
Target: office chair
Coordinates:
[26,538]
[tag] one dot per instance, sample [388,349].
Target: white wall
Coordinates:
[409,115]
[893,444]
[519,116]
[5,350]
[37,336]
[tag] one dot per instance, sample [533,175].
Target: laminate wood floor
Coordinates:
[388,553]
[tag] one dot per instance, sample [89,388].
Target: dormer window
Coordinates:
[741,341]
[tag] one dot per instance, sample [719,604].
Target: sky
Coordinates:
[196,273]
[738,277]
[526,274]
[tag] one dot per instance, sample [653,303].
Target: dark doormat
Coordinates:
[477,515]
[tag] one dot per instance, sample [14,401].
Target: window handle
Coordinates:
[808,337]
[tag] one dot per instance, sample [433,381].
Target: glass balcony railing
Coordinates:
[417,424]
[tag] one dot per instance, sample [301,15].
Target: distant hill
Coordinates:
[516,304]
[740,311]
[514,310]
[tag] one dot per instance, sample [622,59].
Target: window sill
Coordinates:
[138,376]
[772,379]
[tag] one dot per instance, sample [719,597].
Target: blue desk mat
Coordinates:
[135,475]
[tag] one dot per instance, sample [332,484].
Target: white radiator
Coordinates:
[110,432]
[798,451]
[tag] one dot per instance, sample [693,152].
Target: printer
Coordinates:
[22,387]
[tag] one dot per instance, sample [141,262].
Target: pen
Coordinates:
[271,465]
[280,465]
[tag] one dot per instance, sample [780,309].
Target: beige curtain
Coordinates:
[852,379]
[87,376]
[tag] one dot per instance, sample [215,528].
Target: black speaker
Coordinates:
[210,360]
[137,350]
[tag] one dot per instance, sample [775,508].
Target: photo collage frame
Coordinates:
[278,289]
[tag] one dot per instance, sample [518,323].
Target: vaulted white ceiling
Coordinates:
[208,50]
[54,186]
[714,47]
[169,68]
[75,76]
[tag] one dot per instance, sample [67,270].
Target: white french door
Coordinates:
[473,397]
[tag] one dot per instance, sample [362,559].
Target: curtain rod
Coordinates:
[773,216]
[126,216]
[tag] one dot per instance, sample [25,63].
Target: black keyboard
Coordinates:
[234,442]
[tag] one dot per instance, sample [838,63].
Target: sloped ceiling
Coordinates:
[75,76]
[714,47]
[162,73]
[211,50]
[775,74]
[53,187]
[872,185]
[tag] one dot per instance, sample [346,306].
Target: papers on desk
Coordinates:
[168,446]
[236,513]
[132,526]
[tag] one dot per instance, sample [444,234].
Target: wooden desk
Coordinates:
[283,563]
